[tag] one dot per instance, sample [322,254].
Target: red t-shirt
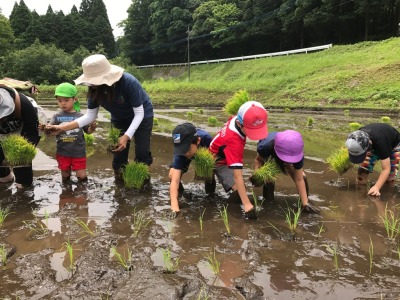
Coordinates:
[228,145]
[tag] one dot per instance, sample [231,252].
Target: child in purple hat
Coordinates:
[287,149]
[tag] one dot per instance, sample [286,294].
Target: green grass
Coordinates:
[338,77]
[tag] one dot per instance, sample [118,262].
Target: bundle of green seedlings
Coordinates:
[89,139]
[268,173]
[339,161]
[135,174]
[234,103]
[17,150]
[204,164]
[112,138]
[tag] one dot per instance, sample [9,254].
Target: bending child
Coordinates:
[71,146]
[287,149]
[376,141]
[187,139]
[228,148]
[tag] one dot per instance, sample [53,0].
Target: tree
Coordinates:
[6,36]
[20,18]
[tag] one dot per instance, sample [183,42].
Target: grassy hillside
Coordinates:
[364,75]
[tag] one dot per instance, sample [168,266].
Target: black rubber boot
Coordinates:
[210,186]
[268,191]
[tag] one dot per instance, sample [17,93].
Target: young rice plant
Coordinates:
[113,135]
[17,150]
[140,221]
[204,163]
[170,265]
[126,262]
[135,174]
[268,173]
[292,217]
[391,222]
[89,139]
[213,262]
[234,103]
[354,126]
[339,161]
[224,215]
[4,212]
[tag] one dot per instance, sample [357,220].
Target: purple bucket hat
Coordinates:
[289,146]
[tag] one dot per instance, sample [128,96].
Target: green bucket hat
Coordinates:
[68,90]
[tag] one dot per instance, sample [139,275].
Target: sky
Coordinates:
[116,9]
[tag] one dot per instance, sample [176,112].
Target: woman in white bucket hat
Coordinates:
[17,116]
[122,95]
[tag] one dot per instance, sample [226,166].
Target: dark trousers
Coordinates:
[141,138]
[23,175]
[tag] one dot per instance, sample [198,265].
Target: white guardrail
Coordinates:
[302,50]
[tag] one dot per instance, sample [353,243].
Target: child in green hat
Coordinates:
[71,147]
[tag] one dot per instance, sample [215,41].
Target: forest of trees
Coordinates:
[157,31]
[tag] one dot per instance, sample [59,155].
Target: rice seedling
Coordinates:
[354,126]
[4,212]
[84,226]
[213,262]
[201,220]
[155,121]
[170,265]
[204,164]
[234,103]
[347,113]
[268,173]
[391,222]
[371,254]
[287,110]
[385,119]
[39,227]
[17,150]
[339,161]
[292,217]
[224,216]
[112,138]
[333,251]
[189,115]
[201,111]
[310,121]
[203,294]
[89,139]
[398,250]
[135,174]
[3,255]
[212,121]
[257,204]
[70,251]
[172,106]
[126,262]
[321,229]
[140,221]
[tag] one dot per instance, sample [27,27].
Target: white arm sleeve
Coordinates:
[139,115]
[89,117]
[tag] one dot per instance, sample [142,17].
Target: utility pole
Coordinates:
[188,49]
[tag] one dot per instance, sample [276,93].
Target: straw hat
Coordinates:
[97,70]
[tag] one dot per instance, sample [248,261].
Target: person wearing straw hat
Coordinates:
[71,146]
[122,95]
[373,142]
[287,149]
[228,148]
[17,116]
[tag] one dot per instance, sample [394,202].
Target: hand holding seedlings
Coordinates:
[122,141]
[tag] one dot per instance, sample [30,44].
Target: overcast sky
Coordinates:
[116,9]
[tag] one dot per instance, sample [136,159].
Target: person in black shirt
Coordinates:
[376,141]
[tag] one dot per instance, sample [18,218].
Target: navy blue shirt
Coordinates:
[128,93]
[181,162]
[265,148]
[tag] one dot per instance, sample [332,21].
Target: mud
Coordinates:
[259,259]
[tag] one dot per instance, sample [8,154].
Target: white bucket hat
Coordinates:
[7,104]
[97,70]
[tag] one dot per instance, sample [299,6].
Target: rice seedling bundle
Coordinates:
[204,164]
[354,126]
[212,121]
[89,139]
[234,103]
[267,173]
[17,150]
[135,174]
[113,135]
[339,161]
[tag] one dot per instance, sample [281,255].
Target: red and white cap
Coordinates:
[254,118]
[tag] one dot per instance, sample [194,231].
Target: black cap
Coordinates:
[183,136]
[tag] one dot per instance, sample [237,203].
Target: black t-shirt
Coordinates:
[384,139]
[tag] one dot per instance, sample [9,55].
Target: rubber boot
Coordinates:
[268,191]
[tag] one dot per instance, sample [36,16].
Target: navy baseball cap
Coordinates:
[183,136]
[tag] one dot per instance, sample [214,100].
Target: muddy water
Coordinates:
[260,259]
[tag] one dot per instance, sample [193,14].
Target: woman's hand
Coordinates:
[122,141]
